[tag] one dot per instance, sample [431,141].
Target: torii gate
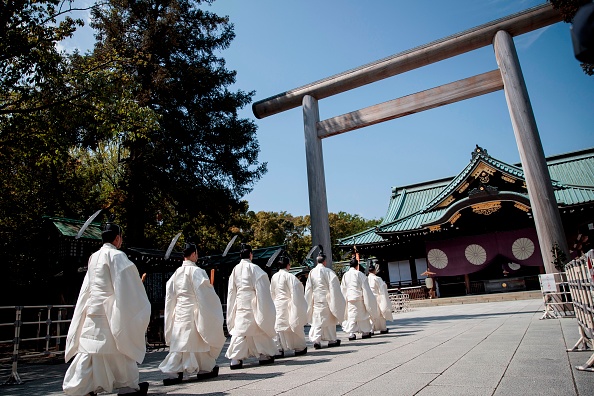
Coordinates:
[508,77]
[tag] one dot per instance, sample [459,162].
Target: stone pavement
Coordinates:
[496,348]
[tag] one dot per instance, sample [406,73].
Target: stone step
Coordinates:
[474,299]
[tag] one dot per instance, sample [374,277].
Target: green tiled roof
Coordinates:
[477,158]
[413,222]
[412,207]
[409,200]
[579,172]
[70,227]
[367,237]
[574,196]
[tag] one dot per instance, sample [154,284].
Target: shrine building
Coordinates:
[474,233]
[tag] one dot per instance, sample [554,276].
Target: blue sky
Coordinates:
[281,45]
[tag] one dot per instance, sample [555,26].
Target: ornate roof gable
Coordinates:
[481,176]
[414,209]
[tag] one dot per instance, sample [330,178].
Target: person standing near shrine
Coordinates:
[384,305]
[325,303]
[361,303]
[250,313]
[106,336]
[193,322]
[291,310]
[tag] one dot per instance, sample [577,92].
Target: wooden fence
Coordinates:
[580,277]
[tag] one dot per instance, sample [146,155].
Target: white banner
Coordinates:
[547,282]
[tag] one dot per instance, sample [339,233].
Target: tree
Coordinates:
[30,65]
[271,228]
[202,158]
[145,124]
[343,224]
[568,9]
[55,110]
[32,157]
[559,257]
[274,228]
[60,116]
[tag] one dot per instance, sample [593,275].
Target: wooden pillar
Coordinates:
[538,180]
[467,283]
[413,270]
[318,205]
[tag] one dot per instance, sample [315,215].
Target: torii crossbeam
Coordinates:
[508,77]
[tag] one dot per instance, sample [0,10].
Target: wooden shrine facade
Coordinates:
[475,232]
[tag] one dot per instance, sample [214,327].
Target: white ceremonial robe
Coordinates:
[384,305]
[361,303]
[193,322]
[107,334]
[291,310]
[250,312]
[325,303]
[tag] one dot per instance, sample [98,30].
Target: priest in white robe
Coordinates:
[361,303]
[193,323]
[291,310]
[384,305]
[250,313]
[325,304]
[107,334]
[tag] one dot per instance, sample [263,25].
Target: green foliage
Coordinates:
[340,268]
[31,68]
[274,228]
[568,9]
[343,224]
[143,124]
[144,127]
[559,257]
[201,158]
[588,68]
[36,171]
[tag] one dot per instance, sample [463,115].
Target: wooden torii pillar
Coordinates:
[538,180]
[498,33]
[316,179]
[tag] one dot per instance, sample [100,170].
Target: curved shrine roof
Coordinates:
[412,208]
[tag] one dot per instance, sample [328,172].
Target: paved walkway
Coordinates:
[498,348]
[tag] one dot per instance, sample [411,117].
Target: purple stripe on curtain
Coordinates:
[465,255]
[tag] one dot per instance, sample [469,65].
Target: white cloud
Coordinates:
[526,40]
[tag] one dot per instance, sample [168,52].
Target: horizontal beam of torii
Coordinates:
[445,94]
[448,47]
[498,33]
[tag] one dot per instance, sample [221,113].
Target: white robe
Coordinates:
[250,312]
[193,322]
[361,303]
[291,310]
[325,303]
[384,305]
[107,332]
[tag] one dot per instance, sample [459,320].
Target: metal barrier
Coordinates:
[580,275]
[400,301]
[48,322]
[414,292]
[556,296]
